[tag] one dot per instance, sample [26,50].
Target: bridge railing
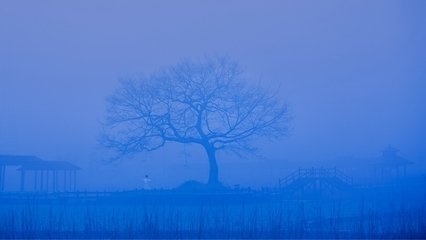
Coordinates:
[315,173]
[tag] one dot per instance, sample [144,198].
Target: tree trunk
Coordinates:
[213,169]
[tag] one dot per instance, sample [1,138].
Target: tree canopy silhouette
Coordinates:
[208,102]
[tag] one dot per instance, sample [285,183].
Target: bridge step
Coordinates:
[316,179]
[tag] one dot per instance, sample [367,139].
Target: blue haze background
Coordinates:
[352,72]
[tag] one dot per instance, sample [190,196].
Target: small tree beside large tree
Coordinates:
[208,102]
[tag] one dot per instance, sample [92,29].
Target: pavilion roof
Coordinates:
[391,158]
[34,163]
[49,165]
[18,160]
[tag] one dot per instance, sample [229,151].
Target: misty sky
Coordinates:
[352,72]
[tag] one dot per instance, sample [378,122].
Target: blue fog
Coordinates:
[351,73]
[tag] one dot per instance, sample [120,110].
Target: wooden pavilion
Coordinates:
[40,175]
[391,164]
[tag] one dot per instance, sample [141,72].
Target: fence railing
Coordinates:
[315,173]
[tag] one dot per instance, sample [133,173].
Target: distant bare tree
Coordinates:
[208,103]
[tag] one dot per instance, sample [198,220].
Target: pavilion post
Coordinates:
[54,181]
[2,177]
[22,180]
[57,181]
[35,180]
[47,180]
[42,181]
[75,180]
[65,181]
[71,181]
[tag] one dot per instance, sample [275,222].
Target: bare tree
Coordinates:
[208,103]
